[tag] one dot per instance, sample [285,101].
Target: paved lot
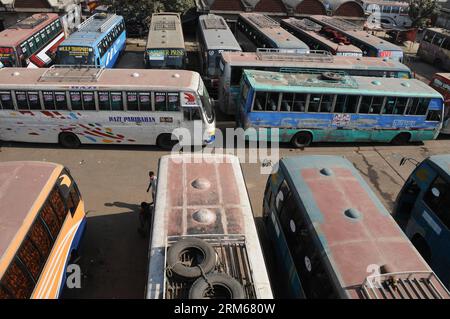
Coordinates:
[113,181]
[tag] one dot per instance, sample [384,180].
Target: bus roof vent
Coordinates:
[15,73]
[326,171]
[376,82]
[201,183]
[65,73]
[214,22]
[352,213]
[204,216]
[164,25]
[263,21]
[31,22]
[135,74]
[406,84]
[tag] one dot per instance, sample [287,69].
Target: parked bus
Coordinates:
[103,106]
[441,83]
[204,242]
[422,210]
[165,43]
[257,30]
[334,107]
[214,38]
[333,238]
[435,47]
[42,219]
[369,44]
[392,14]
[99,41]
[32,42]
[318,39]
[232,64]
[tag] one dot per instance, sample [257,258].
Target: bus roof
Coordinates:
[386,3]
[216,33]
[442,161]
[272,29]
[446,76]
[352,229]
[165,31]
[23,185]
[360,85]
[338,47]
[92,31]
[21,31]
[67,78]
[203,194]
[339,62]
[357,34]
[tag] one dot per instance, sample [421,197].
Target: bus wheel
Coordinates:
[69,140]
[422,246]
[301,139]
[401,139]
[223,287]
[190,257]
[165,141]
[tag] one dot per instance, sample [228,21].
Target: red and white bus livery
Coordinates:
[32,42]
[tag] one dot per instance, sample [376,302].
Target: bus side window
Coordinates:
[173,103]
[191,114]
[314,103]
[88,101]
[160,101]
[49,100]
[75,99]
[50,219]
[6,102]
[132,101]
[61,101]
[299,102]
[17,282]
[400,107]
[116,101]
[287,102]
[58,204]
[434,116]
[103,101]
[33,100]
[390,105]
[31,258]
[437,199]
[21,99]
[145,103]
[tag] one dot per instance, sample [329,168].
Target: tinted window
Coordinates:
[132,101]
[17,282]
[21,100]
[173,102]
[160,101]
[145,102]
[75,99]
[116,101]
[33,100]
[57,203]
[50,219]
[88,101]
[6,100]
[103,101]
[60,100]
[31,258]
[434,115]
[438,199]
[73,199]
[49,100]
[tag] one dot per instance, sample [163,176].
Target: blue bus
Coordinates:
[99,41]
[333,238]
[422,210]
[335,107]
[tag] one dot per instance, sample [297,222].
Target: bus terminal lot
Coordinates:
[113,182]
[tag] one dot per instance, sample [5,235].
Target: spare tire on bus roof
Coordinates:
[200,254]
[223,285]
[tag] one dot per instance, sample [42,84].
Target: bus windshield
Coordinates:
[165,59]
[75,55]
[7,56]
[206,102]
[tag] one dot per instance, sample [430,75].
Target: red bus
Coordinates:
[32,42]
[441,83]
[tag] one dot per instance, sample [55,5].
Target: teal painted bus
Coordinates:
[335,107]
[422,210]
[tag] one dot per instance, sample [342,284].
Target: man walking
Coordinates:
[152,185]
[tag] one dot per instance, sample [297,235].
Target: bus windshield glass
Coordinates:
[7,56]
[172,58]
[75,55]
[206,102]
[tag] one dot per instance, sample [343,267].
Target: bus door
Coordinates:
[192,118]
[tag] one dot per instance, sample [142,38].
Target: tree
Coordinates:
[420,11]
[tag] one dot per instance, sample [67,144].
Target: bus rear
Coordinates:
[204,242]
[441,83]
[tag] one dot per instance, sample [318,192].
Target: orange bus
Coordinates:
[42,220]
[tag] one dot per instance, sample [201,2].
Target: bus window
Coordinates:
[30,258]
[314,103]
[21,99]
[418,106]
[400,106]
[103,101]
[132,101]
[389,105]
[50,219]
[17,281]
[326,103]
[434,115]
[57,202]
[60,101]
[75,99]
[173,102]
[437,199]
[300,102]
[287,102]
[116,101]
[49,102]
[33,100]
[145,103]
[160,101]
[346,104]
[73,200]
[191,114]
[88,101]
[236,74]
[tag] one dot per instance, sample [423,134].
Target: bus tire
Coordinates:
[224,286]
[165,141]
[203,250]
[422,247]
[301,139]
[401,139]
[69,140]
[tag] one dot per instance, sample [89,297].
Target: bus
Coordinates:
[42,218]
[257,30]
[165,47]
[204,242]
[441,83]
[232,64]
[368,43]
[74,106]
[332,107]
[392,14]
[98,41]
[422,211]
[32,42]
[333,239]
[214,38]
[435,47]
[318,39]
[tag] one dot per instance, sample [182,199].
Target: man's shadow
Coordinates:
[133,207]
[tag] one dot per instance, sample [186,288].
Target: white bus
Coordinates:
[74,106]
[204,242]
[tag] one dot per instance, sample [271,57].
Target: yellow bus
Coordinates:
[42,220]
